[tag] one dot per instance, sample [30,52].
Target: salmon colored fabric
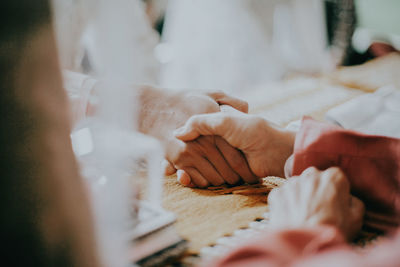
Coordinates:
[372,165]
[279,248]
[316,247]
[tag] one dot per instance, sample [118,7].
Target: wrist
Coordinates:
[281,144]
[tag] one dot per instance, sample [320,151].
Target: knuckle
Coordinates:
[336,176]
[310,171]
[184,153]
[216,94]
[200,103]
[334,171]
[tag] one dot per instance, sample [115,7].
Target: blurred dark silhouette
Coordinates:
[44,212]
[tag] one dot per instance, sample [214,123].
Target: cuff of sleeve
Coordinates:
[284,246]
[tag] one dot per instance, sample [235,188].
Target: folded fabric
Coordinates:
[284,247]
[376,113]
[371,163]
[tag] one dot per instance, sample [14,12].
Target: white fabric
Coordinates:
[376,114]
[79,88]
[236,45]
[73,27]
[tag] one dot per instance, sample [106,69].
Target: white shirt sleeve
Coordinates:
[376,114]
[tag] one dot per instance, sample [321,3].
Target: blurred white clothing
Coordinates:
[73,19]
[235,45]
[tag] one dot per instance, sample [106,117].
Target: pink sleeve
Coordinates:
[284,248]
[372,164]
[316,247]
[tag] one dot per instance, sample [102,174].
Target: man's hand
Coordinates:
[314,198]
[265,147]
[209,160]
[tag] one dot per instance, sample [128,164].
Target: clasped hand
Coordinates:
[265,147]
[206,160]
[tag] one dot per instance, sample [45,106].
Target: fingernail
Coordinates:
[183,178]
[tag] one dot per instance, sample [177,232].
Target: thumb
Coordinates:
[205,124]
[223,99]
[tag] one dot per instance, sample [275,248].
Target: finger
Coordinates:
[224,99]
[337,177]
[228,109]
[183,178]
[236,160]
[168,168]
[357,210]
[273,197]
[204,124]
[357,207]
[214,156]
[207,170]
[310,171]
[196,178]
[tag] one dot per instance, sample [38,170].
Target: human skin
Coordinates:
[207,160]
[265,146]
[316,198]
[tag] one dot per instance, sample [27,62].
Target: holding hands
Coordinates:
[226,147]
[201,162]
[265,147]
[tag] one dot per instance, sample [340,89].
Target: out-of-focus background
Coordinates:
[239,45]
[287,58]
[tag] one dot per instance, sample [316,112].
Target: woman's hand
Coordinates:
[208,160]
[265,147]
[314,198]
